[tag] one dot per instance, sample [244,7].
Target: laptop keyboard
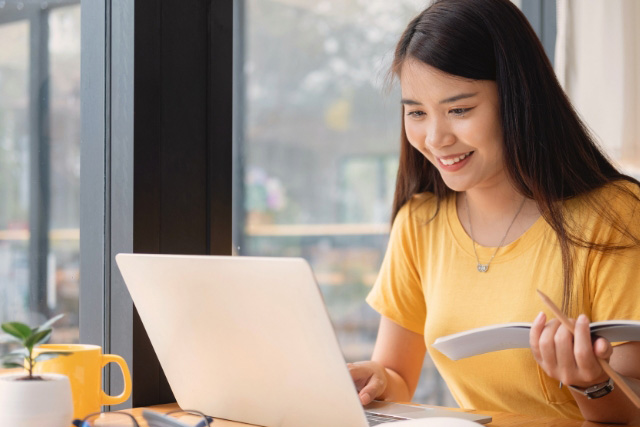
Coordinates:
[375,419]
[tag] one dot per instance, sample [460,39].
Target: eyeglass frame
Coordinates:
[208,419]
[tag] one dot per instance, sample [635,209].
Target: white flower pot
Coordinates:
[35,403]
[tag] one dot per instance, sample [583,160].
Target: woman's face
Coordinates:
[455,123]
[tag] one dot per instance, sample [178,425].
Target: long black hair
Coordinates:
[549,153]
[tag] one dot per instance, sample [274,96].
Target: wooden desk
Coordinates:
[500,419]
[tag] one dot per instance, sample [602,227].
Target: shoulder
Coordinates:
[421,207]
[609,210]
[620,194]
[620,197]
[419,211]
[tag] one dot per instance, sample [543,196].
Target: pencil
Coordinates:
[617,379]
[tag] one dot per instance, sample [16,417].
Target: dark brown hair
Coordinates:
[549,154]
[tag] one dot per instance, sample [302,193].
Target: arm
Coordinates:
[617,408]
[394,369]
[573,361]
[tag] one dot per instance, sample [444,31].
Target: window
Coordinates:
[40,163]
[316,142]
[319,144]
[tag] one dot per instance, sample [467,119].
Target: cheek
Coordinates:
[496,147]
[415,135]
[485,135]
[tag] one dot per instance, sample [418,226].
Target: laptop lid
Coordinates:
[245,339]
[248,339]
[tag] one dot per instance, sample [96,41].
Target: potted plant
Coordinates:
[28,400]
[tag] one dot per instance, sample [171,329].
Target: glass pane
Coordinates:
[64,251]
[319,140]
[40,163]
[14,169]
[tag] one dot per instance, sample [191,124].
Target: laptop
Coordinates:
[249,339]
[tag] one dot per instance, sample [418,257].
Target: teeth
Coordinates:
[449,162]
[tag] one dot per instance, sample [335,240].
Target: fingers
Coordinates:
[552,348]
[584,351]
[543,345]
[548,344]
[369,378]
[603,348]
[565,359]
[360,372]
[373,389]
[534,336]
[571,358]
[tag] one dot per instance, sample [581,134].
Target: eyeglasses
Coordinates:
[180,418]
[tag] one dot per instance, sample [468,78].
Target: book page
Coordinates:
[516,335]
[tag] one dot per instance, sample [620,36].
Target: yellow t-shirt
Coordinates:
[429,284]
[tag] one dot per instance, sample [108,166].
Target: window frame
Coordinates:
[39,145]
[158,128]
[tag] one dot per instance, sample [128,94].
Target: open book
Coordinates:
[516,335]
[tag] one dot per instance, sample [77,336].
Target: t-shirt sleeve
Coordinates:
[615,292]
[397,293]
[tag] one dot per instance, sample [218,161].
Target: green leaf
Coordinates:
[45,338]
[50,355]
[6,338]
[17,329]
[37,338]
[49,323]
[11,365]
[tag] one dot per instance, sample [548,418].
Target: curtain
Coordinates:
[597,61]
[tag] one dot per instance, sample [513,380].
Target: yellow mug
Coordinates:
[84,369]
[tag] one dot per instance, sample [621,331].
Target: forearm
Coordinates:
[612,408]
[398,354]
[397,389]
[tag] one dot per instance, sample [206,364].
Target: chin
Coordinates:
[456,185]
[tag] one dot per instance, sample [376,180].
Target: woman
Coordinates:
[501,191]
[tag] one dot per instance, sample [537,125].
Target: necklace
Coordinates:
[483,268]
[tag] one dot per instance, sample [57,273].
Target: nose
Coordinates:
[438,135]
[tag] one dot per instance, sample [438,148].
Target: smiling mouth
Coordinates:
[454,160]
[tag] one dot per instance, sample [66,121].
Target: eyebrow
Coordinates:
[444,101]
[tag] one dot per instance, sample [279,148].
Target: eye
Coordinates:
[416,114]
[460,112]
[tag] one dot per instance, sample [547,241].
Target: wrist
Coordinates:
[396,388]
[596,390]
[598,380]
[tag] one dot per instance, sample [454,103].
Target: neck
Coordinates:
[493,209]
[494,203]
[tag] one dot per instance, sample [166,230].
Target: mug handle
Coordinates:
[114,400]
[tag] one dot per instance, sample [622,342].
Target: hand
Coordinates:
[571,359]
[370,379]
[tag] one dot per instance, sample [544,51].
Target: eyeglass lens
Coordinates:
[190,418]
[115,419]
[109,419]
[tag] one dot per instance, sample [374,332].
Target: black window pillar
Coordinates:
[160,123]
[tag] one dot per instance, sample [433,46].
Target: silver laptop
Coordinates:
[249,339]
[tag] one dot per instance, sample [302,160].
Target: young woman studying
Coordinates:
[501,191]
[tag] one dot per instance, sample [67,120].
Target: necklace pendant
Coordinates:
[482,268]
